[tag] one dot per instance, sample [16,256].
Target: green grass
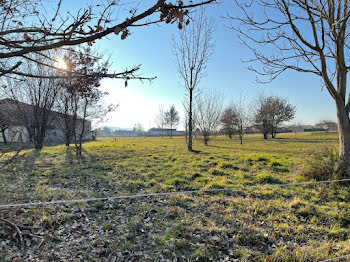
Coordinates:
[305,223]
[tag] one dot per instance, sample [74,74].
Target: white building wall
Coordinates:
[15,134]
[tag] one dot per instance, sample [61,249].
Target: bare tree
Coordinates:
[82,60]
[88,108]
[208,108]
[66,106]
[192,49]
[80,98]
[307,36]
[228,120]
[160,118]
[27,27]
[261,117]
[280,111]
[34,99]
[172,119]
[242,117]
[270,113]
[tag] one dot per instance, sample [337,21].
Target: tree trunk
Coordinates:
[344,132]
[67,139]
[171,130]
[30,134]
[265,135]
[38,144]
[241,131]
[230,136]
[38,139]
[189,146]
[206,139]
[273,132]
[4,136]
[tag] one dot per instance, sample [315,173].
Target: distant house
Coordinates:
[116,133]
[14,123]
[164,132]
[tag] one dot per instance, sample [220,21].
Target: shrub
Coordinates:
[323,164]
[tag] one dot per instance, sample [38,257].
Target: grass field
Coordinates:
[304,223]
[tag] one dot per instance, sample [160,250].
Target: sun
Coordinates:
[61,64]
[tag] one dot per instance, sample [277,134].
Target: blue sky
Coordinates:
[151,47]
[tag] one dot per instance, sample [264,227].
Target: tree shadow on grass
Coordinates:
[69,154]
[20,170]
[88,156]
[30,159]
[196,151]
[308,141]
[227,147]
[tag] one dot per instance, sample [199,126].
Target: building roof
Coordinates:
[25,106]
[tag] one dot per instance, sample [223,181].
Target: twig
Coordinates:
[18,231]
[28,228]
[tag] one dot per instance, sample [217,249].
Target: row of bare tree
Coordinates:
[65,104]
[266,115]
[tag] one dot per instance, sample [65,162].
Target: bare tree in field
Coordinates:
[88,107]
[193,47]
[172,119]
[228,120]
[30,26]
[79,99]
[208,108]
[160,118]
[261,119]
[280,111]
[242,120]
[236,118]
[306,36]
[270,113]
[34,99]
